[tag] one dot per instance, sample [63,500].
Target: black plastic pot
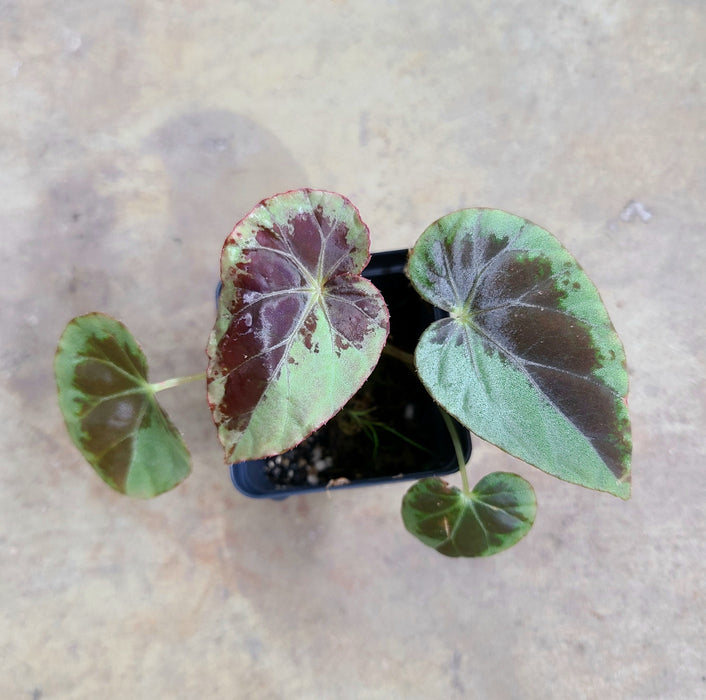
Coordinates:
[409,316]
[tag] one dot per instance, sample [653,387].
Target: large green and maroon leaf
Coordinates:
[298,329]
[528,358]
[494,516]
[111,412]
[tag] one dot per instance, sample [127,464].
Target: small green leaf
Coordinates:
[111,412]
[497,514]
[298,328]
[528,358]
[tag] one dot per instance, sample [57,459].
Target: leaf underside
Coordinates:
[528,358]
[111,412]
[298,329]
[498,512]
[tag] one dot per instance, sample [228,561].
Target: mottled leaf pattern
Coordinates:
[298,329]
[495,515]
[528,358]
[111,412]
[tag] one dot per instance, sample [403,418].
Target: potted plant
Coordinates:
[390,429]
[524,356]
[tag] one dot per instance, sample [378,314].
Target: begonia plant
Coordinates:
[525,357]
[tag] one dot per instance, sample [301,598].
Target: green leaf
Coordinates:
[528,358]
[494,516]
[111,412]
[298,329]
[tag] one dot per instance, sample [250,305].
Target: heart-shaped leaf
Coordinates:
[298,329]
[494,516]
[528,358]
[111,412]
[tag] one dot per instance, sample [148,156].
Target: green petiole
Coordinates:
[177,381]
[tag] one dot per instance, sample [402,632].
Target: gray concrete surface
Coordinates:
[134,134]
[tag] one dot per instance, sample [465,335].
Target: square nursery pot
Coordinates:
[353,448]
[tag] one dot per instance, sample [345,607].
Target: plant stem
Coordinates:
[177,381]
[457,447]
[398,354]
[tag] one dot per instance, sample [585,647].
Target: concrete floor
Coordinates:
[134,134]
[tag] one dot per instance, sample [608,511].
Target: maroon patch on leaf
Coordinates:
[351,309]
[592,409]
[250,353]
